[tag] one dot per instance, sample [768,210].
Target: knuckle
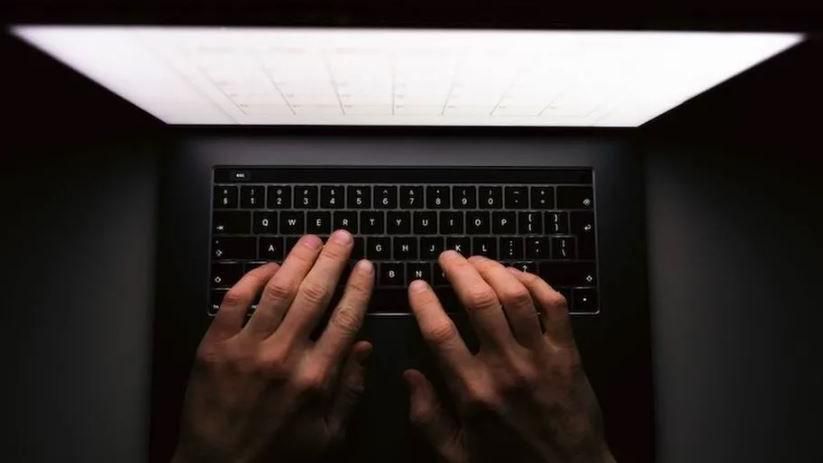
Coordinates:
[313,381]
[346,319]
[481,299]
[236,297]
[208,357]
[479,399]
[335,252]
[557,299]
[313,292]
[442,333]
[275,364]
[278,291]
[517,296]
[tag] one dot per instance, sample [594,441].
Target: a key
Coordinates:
[563,247]
[477,222]
[271,248]
[345,220]
[234,248]
[504,222]
[405,248]
[425,223]
[252,197]
[431,247]
[437,197]
[461,244]
[305,197]
[225,197]
[582,225]
[490,197]
[575,197]
[418,271]
[484,246]
[265,222]
[529,267]
[331,197]
[385,197]
[511,247]
[318,222]
[584,300]
[517,197]
[278,197]
[391,274]
[411,197]
[568,273]
[292,223]
[542,197]
[225,275]
[378,248]
[537,247]
[359,197]
[231,222]
[398,223]
[531,223]
[371,222]
[557,222]
[451,223]
[464,197]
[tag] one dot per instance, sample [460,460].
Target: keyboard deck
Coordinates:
[539,220]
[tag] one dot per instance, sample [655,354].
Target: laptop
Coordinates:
[516,145]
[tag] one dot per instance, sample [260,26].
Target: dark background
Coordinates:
[733,192]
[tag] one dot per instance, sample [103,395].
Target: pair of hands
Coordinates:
[267,392]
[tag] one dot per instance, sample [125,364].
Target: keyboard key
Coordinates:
[215,299]
[537,247]
[490,197]
[575,197]
[391,274]
[484,246]
[398,223]
[511,247]
[559,273]
[305,197]
[225,197]
[582,225]
[229,222]
[563,247]
[460,244]
[464,197]
[292,223]
[291,241]
[584,300]
[318,222]
[331,197]
[252,197]
[405,248]
[418,271]
[359,197]
[437,197]
[504,223]
[531,223]
[431,247]
[385,197]
[371,222]
[278,197]
[234,248]
[265,222]
[451,223]
[425,223]
[378,248]
[517,197]
[542,197]
[477,223]
[271,248]
[529,267]
[225,275]
[439,276]
[411,197]
[358,251]
[345,220]
[557,222]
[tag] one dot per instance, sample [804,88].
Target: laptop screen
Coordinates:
[335,76]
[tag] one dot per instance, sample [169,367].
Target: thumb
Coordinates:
[428,415]
[352,385]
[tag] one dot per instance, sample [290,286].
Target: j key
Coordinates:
[385,197]
[215,300]
[405,248]
[225,275]
[425,223]
[411,197]
[291,241]
[451,223]
[305,197]
[439,276]
[371,222]
[359,197]
[531,223]
[418,271]
[231,222]
[584,300]
[265,222]
[464,197]
[358,251]
[490,197]
[517,197]
[279,197]
[568,273]
[557,222]
[504,223]
[563,247]
[331,197]
[391,274]
[271,248]
[430,248]
[511,247]
[460,244]
[477,223]
[225,197]
[485,246]
[537,247]
[234,248]
[252,197]
[437,197]
[582,224]
[292,223]
[378,248]
[318,222]
[398,223]
[575,197]
[542,197]
[345,221]
[529,267]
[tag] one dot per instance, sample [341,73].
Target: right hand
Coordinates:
[524,397]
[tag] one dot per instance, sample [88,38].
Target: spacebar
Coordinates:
[396,300]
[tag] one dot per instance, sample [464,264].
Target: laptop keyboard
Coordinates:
[538,220]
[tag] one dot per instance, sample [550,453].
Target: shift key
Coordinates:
[568,273]
[234,248]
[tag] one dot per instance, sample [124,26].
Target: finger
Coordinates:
[232,313]
[552,305]
[348,316]
[282,289]
[427,414]
[352,386]
[317,288]
[438,329]
[479,299]
[516,299]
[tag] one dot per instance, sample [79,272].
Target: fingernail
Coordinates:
[449,254]
[365,266]
[418,286]
[342,237]
[311,241]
